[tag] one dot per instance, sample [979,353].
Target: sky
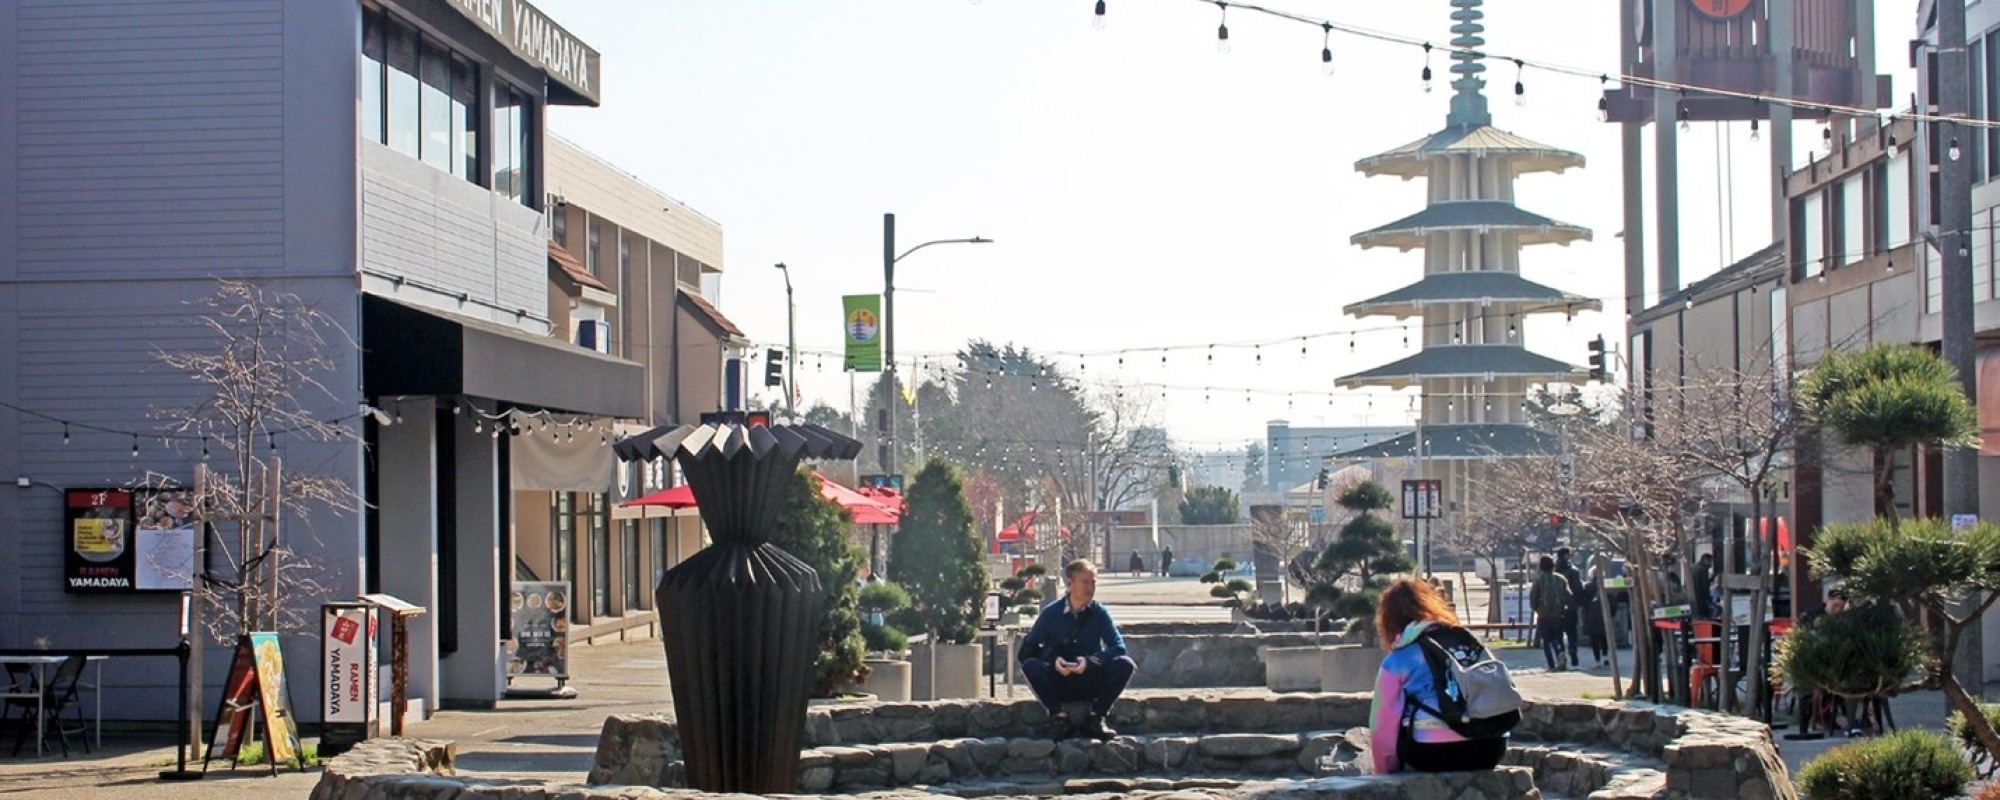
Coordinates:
[1142,188]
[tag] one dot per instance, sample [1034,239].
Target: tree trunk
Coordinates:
[1981,727]
[1885,487]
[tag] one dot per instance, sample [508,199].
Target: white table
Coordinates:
[42,665]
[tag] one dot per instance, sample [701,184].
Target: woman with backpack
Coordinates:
[1409,723]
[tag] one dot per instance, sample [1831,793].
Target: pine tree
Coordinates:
[935,556]
[1367,550]
[816,531]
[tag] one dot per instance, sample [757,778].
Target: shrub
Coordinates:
[884,638]
[1869,651]
[1021,591]
[817,531]
[935,556]
[1905,765]
[1236,592]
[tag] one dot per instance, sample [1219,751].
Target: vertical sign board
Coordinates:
[347,676]
[541,629]
[163,540]
[97,526]
[281,726]
[1423,498]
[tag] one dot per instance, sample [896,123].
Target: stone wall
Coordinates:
[1203,660]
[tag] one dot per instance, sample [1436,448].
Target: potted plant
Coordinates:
[935,557]
[888,648]
[1021,599]
[1356,567]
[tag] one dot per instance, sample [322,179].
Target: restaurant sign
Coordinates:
[530,34]
[121,540]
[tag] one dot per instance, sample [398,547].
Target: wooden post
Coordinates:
[399,672]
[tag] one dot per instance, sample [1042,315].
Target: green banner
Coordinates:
[862,325]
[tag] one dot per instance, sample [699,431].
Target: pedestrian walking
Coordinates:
[1549,596]
[1166,560]
[1577,597]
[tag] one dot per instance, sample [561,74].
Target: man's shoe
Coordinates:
[1095,728]
[1060,727]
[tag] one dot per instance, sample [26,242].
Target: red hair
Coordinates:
[1406,601]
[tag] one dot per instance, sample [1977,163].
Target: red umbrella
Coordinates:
[681,496]
[863,509]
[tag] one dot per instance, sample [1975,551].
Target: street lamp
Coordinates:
[791,348]
[889,259]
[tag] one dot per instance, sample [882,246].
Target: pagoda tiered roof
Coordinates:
[1483,361]
[1459,441]
[1478,216]
[1489,286]
[1414,160]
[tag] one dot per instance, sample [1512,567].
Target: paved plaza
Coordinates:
[554,739]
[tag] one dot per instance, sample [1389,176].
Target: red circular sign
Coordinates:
[1720,9]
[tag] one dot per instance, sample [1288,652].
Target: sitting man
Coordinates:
[1075,653]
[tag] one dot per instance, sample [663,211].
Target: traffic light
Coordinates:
[1598,370]
[1320,481]
[774,367]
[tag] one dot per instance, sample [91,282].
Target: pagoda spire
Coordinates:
[1468,104]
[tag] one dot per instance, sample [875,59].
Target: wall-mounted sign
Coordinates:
[1720,9]
[530,34]
[97,538]
[121,540]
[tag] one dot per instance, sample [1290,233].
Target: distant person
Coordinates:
[1704,581]
[1166,561]
[1590,615]
[1549,597]
[1579,593]
[1836,602]
[1403,734]
[1137,565]
[1075,653]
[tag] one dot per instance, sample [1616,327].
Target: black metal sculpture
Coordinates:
[739,617]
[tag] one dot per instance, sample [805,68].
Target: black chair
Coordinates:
[57,696]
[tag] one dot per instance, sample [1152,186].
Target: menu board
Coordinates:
[282,728]
[97,552]
[163,540]
[540,629]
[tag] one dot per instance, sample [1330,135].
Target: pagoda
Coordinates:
[1472,363]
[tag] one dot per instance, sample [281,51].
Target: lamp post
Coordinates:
[791,348]
[889,259]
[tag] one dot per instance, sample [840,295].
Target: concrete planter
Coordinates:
[1349,668]
[888,679]
[957,668]
[1292,669]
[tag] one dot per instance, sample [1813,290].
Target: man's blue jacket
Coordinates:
[1089,634]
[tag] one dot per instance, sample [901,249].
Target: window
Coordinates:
[373,51]
[559,226]
[1811,230]
[403,104]
[513,133]
[634,569]
[600,563]
[1986,96]
[1854,221]
[435,102]
[464,119]
[590,248]
[658,533]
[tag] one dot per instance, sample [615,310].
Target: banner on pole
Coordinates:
[861,323]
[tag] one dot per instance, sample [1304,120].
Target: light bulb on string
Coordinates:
[1603,100]
[1894,150]
[1826,133]
[1222,30]
[1326,48]
[1951,151]
[1259,350]
[1686,125]
[1211,355]
[1754,134]
[1520,89]
[1427,67]
[1097,19]
[135,445]
[65,433]
[1511,330]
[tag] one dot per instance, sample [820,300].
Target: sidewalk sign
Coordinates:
[348,677]
[256,691]
[538,641]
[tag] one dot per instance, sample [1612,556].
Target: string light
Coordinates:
[65,433]
[1097,19]
[1222,30]
[135,445]
[1603,101]
[1683,113]
[1427,67]
[1326,48]
[1951,151]
[1520,89]
[1754,135]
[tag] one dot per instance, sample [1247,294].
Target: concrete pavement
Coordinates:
[555,739]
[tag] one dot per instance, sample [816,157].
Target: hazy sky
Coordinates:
[1143,189]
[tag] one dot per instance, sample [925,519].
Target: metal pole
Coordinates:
[791,385]
[889,463]
[1961,464]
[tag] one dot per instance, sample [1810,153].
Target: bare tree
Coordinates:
[1286,537]
[270,352]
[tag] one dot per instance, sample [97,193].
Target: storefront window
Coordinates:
[600,563]
[563,539]
[464,122]
[634,575]
[373,51]
[659,536]
[422,98]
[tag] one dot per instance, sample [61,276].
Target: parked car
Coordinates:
[1188,567]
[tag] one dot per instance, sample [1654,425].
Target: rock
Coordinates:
[1073,757]
[1119,756]
[1247,745]
[906,759]
[1030,748]
[816,779]
[1168,752]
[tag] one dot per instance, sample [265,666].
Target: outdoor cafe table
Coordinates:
[41,664]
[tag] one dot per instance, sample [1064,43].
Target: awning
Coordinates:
[681,496]
[864,510]
[416,351]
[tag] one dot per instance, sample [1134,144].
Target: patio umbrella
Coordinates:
[681,496]
[861,508]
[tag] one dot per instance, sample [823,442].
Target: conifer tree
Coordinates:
[816,531]
[1367,551]
[935,557]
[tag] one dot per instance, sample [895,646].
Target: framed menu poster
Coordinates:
[97,534]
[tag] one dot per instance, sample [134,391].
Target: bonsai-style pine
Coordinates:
[935,557]
[1892,399]
[816,530]
[1236,592]
[878,600]
[1359,562]
[1021,592]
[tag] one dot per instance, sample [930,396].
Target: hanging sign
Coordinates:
[1423,498]
[861,323]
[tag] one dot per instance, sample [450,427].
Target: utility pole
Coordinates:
[889,460]
[791,347]
[1954,101]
